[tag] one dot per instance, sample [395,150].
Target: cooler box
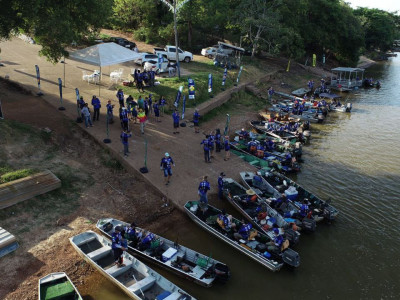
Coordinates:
[167,255]
[291,194]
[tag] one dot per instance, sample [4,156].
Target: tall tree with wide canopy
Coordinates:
[53,24]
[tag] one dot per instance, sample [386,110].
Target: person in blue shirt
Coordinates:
[110,116]
[123,115]
[221,185]
[146,241]
[206,149]
[125,141]
[276,244]
[117,247]
[196,119]
[120,97]
[217,139]
[243,232]
[227,147]
[204,187]
[156,108]
[175,118]
[211,144]
[162,103]
[150,104]
[131,235]
[96,108]
[166,165]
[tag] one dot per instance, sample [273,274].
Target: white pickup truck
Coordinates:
[170,51]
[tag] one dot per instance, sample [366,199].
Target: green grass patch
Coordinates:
[108,161]
[17,174]
[239,103]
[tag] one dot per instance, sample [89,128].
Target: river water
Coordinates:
[355,160]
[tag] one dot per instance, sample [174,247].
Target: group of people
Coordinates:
[145,78]
[214,141]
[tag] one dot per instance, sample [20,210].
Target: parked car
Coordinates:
[153,65]
[145,57]
[210,52]
[122,42]
[170,52]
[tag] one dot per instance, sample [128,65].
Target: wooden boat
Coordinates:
[280,183]
[301,92]
[207,219]
[260,126]
[183,261]
[236,194]
[289,210]
[136,279]
[57,286]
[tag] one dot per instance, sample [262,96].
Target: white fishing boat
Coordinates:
[136,279]
[174,257]
[57,286]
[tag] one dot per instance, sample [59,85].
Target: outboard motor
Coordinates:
[321,118]
[222,272]
[292,236]
[291,258]
[348,107]
[329,213]
[309,224]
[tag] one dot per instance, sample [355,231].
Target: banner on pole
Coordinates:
[323,59]
[224,76]
[60,88]
[314,60]
[178,96]
[240,72]
[160,60]
[77,94]
[210,83]
[191,88]
[288,66]
[38,75]
[183,106]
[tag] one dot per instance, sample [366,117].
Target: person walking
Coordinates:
[217,139]
[86,115]
[125,141]
[175,118]
[196,119]
[162,102]
[110,115]
[117,247]
[96,108]
[227,148]
[120,97]
[156,108]
[204,187]
[123,115]
[221,185]
[142,120]
[166,165]
[150,104]
[206,149]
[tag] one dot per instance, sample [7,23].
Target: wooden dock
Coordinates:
[8,242]
[28,187]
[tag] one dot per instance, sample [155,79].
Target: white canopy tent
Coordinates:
[105,54]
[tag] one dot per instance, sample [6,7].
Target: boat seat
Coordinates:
[115,271]
[99,253]
[88,240]
[143,285]
[175,296]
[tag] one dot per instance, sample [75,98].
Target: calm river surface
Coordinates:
[355,160]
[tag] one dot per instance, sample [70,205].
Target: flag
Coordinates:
[240,72]
[323,59]
[314,60]
[288,66]
[210,83]
[191,88]
[60,88]
[178,96]
[38,75]
[183,106]
[77,94]
[224,76]
[228,119]
[160,60]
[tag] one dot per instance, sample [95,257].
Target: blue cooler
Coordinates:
[291,194]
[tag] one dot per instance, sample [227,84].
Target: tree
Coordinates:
[259,21]
[54,24]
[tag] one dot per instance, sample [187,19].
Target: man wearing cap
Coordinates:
[124,139]
[221,185]
[96,107]
[110,116]
[243,232]
[116,246]
[121,98]
[166,166]
[206,149]
[276,244]
[204,187]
